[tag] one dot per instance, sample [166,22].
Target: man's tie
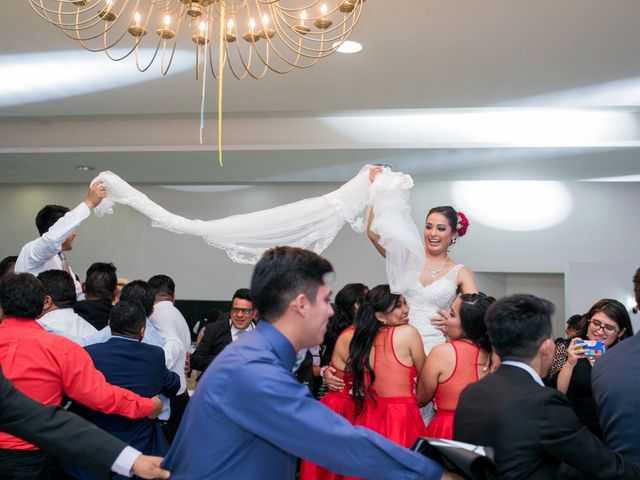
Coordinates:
[65,265]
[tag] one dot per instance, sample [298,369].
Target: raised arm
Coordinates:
[374,237]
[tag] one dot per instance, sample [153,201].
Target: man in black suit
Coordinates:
[228,329]
[532,428]
[615,381]
[51,428]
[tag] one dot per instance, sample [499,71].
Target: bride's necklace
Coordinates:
[434,273]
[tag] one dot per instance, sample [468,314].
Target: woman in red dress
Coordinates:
[348,302]
[452,366]
[385,356]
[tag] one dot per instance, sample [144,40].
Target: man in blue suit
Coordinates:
[127,362]
[615,380]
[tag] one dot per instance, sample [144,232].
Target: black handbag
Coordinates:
[470,461]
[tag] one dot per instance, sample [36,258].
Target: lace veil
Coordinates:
[312,223]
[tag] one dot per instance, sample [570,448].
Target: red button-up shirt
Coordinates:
[45,366]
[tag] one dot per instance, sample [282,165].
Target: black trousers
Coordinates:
[25,465]
[178,405]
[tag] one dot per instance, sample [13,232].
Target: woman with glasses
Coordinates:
[452,366]
[609,323]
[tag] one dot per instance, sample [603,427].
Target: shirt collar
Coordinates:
[281,346]
[235,330]
[20,322]
[525,367]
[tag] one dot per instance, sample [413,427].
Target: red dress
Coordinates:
[394,413]
[448,392]
[341,402]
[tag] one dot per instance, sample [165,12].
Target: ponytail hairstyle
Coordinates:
[472,312]
[378,300]
[347,298]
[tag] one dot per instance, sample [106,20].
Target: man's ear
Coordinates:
[300,304]
[548,347]
[84,287]
[48,303]
[141,332]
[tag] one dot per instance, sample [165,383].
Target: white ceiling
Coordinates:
[417,97]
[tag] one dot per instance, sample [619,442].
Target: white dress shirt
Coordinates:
[42,253]
[236,332]
[171,325]
[68,321]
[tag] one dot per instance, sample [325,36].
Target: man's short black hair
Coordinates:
[49,215]
[59,285]
[243,294]
[139,291]
[7,265]
[282,274]
[162,285]
[127,318]
[101,281]
[518,325]
[21,295]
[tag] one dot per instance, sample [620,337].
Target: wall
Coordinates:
[600,229]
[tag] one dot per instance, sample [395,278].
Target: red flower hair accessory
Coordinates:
[462,225]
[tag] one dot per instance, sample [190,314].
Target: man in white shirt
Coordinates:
[58,311]
[171,325]
[56,225]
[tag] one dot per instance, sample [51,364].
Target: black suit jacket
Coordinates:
[57,431]
[532,429]
[216,336]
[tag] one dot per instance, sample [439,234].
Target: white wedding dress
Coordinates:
[313,223]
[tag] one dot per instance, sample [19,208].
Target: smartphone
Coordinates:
[590,348]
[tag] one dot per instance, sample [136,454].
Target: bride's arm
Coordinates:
[374,237]
[466,282]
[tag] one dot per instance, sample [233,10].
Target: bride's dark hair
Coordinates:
[378,300]
[449,213]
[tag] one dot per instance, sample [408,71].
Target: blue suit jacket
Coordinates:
[615,380]
[140,368]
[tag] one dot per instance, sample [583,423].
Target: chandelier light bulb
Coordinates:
[265,19]
[202,27]
[252,24]
[136,17]
[167,20]
[323,9]
[303,17]
[230,25]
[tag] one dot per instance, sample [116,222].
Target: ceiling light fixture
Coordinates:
[85,168]
[348,46]
[250,37]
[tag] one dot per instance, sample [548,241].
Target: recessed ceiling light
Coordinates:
[85,168]
[347,47]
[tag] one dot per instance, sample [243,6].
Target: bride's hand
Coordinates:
[440,322]
[373,173]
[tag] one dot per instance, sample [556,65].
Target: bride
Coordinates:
[429,278]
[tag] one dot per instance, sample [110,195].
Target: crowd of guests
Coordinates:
[118,354]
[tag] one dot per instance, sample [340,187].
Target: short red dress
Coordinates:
[448,392]
[393,411]
[341,402]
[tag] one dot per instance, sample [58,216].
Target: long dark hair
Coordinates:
[378,300]
[472,311]
[617,312]
[345,315]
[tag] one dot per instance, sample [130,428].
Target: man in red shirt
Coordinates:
[44,366]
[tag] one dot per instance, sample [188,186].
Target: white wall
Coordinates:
[589,282]
[600,229]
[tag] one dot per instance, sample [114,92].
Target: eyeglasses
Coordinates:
[608,329]
[242,311]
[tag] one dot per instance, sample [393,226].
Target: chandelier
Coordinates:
[252,36]
[248,37]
